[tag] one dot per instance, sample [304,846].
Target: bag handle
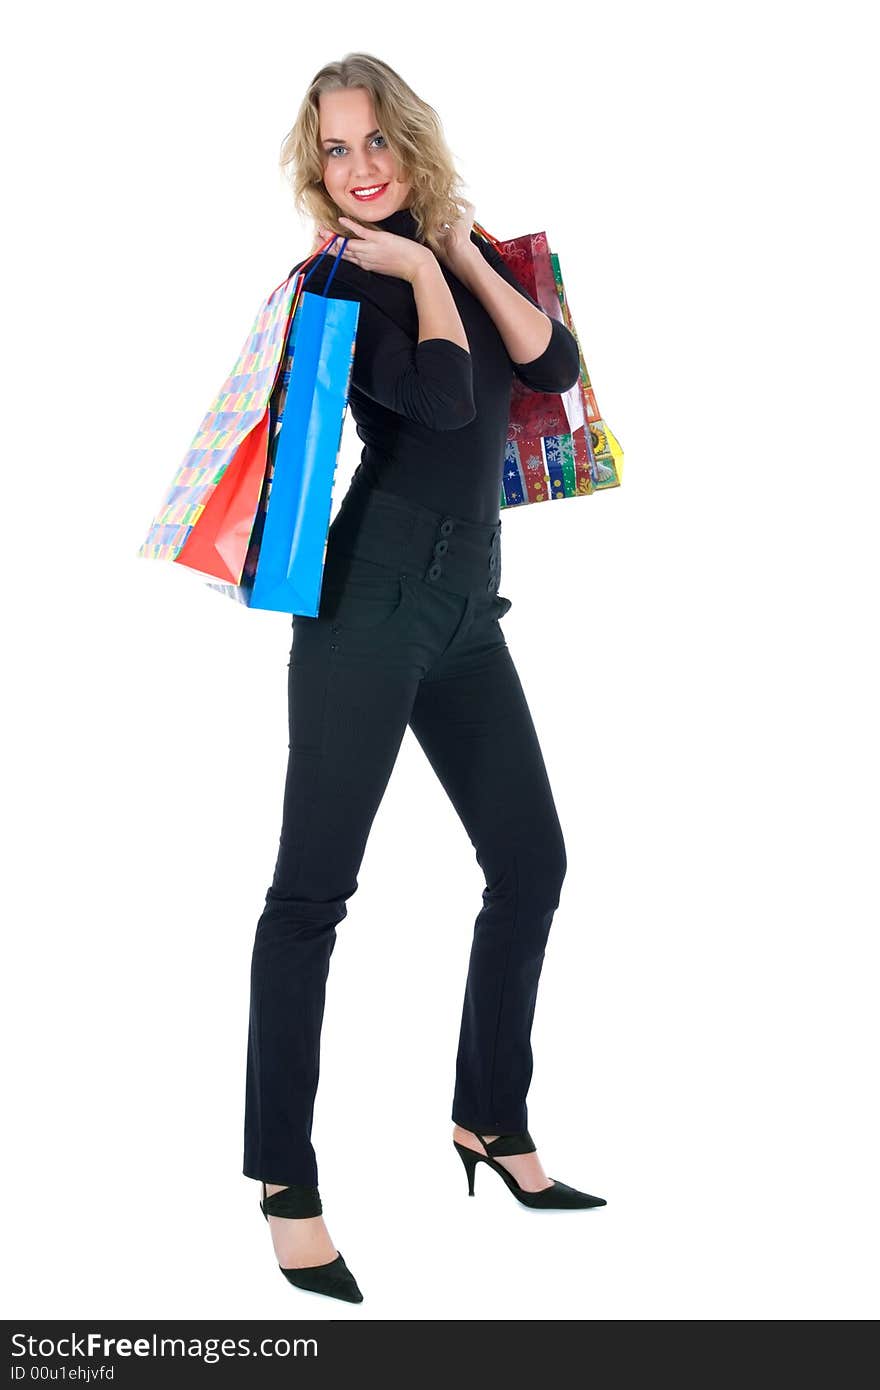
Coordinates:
[493,241]
[317,256]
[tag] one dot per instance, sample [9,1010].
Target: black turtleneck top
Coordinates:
[432,415]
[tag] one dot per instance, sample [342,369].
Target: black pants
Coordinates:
[407,635]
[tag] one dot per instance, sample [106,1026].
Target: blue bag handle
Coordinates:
[321,255]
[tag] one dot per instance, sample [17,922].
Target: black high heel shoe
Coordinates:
[333,1278]
[556,1198]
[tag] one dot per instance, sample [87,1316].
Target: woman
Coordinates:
[407,635]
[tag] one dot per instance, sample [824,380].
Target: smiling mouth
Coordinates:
[373,191]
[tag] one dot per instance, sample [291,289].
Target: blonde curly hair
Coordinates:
[413,133]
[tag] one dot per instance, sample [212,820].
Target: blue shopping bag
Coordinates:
[285,564]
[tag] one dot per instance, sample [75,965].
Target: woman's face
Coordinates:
[356,157]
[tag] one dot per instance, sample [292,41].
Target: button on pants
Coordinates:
[407,635]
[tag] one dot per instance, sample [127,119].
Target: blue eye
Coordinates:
[333,148]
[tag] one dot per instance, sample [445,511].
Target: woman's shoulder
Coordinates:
[346,272]
[388,293]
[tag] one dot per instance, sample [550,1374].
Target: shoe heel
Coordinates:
[558,1196]
[470,1159]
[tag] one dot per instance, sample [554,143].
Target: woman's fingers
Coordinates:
[355,226]
[323,236]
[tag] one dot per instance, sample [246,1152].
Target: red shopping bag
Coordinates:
[557,445]
[537,413]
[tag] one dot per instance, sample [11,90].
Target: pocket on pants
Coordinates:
[359,595]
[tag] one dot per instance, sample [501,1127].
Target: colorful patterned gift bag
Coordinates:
[214,516]
[217,487]
[557,446]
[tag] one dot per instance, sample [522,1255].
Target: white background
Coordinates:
[698,648]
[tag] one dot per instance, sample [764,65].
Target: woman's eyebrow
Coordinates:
[329,140]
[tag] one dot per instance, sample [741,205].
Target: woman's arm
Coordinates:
[438,313]
[374,249]
[429,381]
[543,351]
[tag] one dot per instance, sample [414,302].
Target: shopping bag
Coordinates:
[213,516]
[217,486]
[285,565]
[557,446]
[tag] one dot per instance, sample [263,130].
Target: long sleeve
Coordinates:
[558,366]
[430,382]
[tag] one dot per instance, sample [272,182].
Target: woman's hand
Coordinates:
[322,235]
[457,247]
[374,249]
